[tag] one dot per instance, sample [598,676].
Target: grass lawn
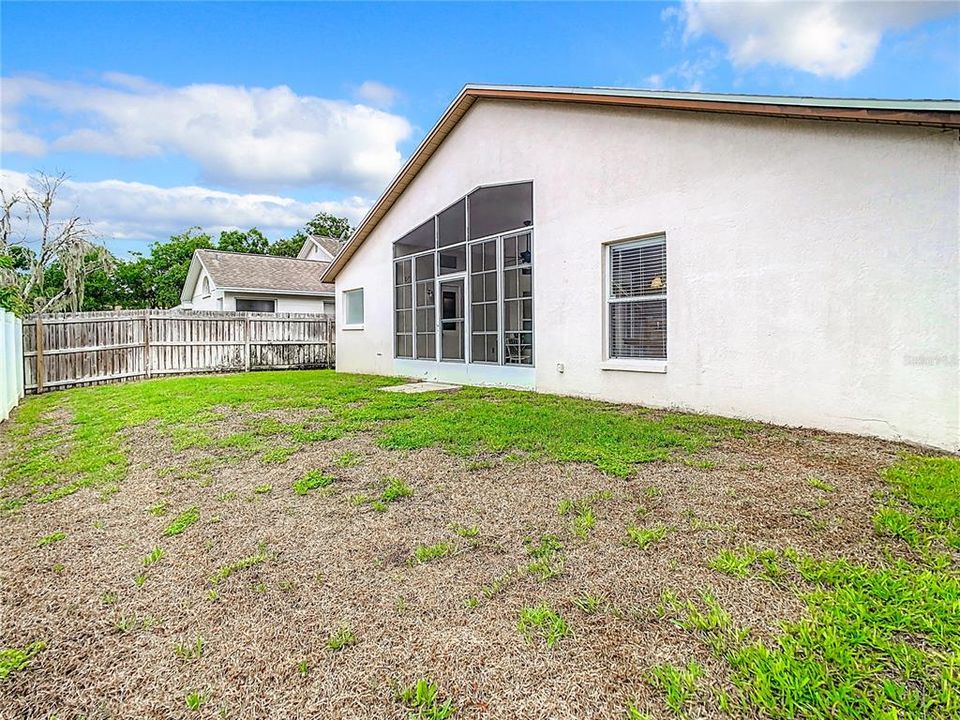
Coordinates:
[303,545]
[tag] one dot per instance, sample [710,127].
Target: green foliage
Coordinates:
[342,638]
[263,489]
[14,659]
[644,537]
[424,698]
[184,520]
[679,685]
[243,563]
[544,621]
[251,241]
[52,538]
[590,604]
[153,557]
[819,484]
[466,531]
[426,553]
[189,651]
[348,458]
[311,481]
[195,700]
[394,490]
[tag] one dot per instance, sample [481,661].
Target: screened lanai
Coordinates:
[463,282]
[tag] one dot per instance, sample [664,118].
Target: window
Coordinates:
[483,301]
[206,287]
[426,308]
[637,300]
[463,281]
[500,208]
[518,299]
[251,305]
[417,240]
[353,308]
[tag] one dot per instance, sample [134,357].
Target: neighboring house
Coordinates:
[318,247]
[220,280]
[793,260]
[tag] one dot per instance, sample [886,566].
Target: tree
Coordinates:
[288,247]
[327,225]
[251,241]
[66,243]
[160,276]
[322,224]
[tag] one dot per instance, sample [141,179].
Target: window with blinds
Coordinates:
[637,299]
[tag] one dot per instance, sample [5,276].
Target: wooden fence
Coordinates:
[69,349]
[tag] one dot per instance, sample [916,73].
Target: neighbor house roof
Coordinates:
[328,244]
[258,273]
[929,113]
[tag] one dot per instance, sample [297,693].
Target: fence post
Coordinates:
[147,365]
[38,329]
[246,343]
[328,330]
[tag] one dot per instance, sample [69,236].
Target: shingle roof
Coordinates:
[331,245]
[932,113]
[264,272]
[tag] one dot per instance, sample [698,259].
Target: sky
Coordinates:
[228,114]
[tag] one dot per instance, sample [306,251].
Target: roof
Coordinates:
[927,113]
[328,244]
[269,273]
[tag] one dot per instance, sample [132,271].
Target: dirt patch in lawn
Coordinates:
[236,611]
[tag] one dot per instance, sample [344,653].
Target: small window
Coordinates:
[353,307]
[452,224]
[206,287]
[637,300]
[251,305]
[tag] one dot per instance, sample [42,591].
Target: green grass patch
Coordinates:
[426,553]
[258,558]
[182,521]
[678,684]
[394,490]
[343,637]
[312,481]
[542,620]
[15,659]
[153,557]
[423,700]
[644,537]
[819,484]
[474,421]
[52,538]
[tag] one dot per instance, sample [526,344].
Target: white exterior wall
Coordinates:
[201,301]
[285,303]
[814,267]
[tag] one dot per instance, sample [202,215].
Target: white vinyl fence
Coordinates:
[11,362]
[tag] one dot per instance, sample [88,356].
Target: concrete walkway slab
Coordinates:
[421,387]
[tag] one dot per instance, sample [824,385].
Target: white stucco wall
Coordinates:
[814,267]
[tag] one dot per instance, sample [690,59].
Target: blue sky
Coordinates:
[167,115]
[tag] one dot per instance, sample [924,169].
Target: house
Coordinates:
[222,280]
[792,260]
[319,247]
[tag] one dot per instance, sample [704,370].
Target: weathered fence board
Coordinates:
[69,349]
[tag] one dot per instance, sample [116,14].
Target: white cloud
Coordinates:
[240,137]
[119,210]
[829,38]
[376,94]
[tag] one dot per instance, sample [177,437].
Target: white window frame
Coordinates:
[344,297]
[629,364]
